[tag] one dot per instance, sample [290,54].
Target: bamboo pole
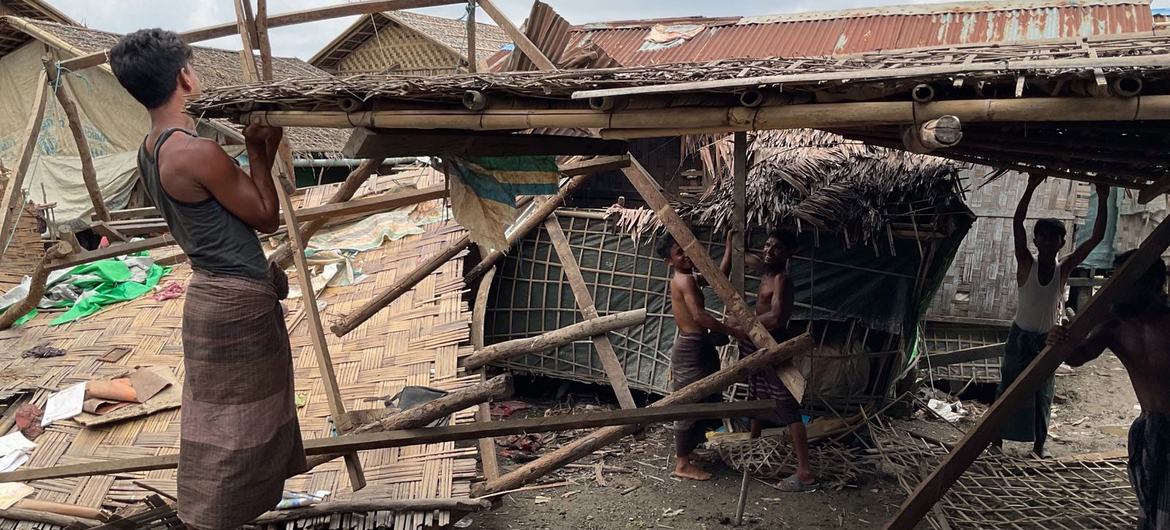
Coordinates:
[736,308]
[372,505]
[487,446]
[36,287]
[472,57]
[88,172]
[686,120]
[930,490]
[614,370]
[594,327]
[13,192]
[581,447]
[579,170]
[939,133]
[291,18]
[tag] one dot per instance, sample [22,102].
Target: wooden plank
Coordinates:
[614,369]
[381,203]
[275,21]
[88,172]
[428,435]
[13,194]
[739,212]
[518,37]
[132,213]
[736,308]
[972,445]
[112,251]
[371,143]
[597,326]
[472,57]
[965,355]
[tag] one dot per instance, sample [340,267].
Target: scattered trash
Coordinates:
[64,405]
[12,492]
[115,354]
[465,522]
[1080,421]
[15,450]
[504,409]
[667,512]
[541,499]
[301,399]
[42,351]
[570,494]
[170,291]
[28,420]
[1137,407]
[292,499]
[950,412]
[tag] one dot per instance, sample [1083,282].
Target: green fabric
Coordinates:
[111,286]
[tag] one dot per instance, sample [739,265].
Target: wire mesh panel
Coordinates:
[940,338]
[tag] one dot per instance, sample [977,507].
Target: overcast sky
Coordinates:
[303,41]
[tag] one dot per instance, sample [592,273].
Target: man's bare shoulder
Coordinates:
[681,281]
[198,157]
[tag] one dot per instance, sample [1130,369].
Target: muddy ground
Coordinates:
[1095,405]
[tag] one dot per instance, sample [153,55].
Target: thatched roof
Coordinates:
[217,68]
[808,179]
[449,33]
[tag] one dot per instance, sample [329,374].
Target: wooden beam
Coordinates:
[739,212]
[369,143]
[88,172]
[428,435]
[275,21]
[614,369]
[308,296]
[736,308]
[964,355]
[972,445]
[578,169]
[381,203]
[597,326]
[36,287]
[131,213]
[521,40]
[487,446]
[472,56]
[13,192]
[111,251]
[262,41]
[581,447]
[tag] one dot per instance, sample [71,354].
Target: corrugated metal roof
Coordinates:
[863,30]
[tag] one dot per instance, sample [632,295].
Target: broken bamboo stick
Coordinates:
[428,435]
[373,505]
[36,287]
[88,172]
[939,133]
[581,447]
[554,339]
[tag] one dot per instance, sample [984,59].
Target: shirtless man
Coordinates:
[1138,332]
[693,356]
[774,304]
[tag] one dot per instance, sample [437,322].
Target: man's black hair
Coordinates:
[1050,226]
[664,246]
[147,64]
[785,238]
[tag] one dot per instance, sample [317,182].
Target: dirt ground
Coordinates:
[1094,407]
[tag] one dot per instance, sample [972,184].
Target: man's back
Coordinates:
[1143,345]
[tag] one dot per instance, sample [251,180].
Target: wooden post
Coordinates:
[605,352]
[88,172]
[471,55]
[518,37]
[487,446]
[972,445]
[308,296]
[13,194]
[712,384]
[36,287]
[739,213]
[594,327]
[262,41]
[736,308]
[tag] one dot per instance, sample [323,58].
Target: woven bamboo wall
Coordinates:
[399,50]
[415,341]
[981,280]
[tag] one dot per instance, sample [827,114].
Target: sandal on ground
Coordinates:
[793,484]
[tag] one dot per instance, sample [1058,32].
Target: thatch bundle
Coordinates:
[809,179]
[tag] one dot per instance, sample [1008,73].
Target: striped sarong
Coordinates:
[1149,469]
[239,435]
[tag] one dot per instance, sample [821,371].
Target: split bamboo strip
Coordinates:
[593,327]
[730,119]
[712,384]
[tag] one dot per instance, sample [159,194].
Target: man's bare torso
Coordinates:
[680,284]
[1143,345]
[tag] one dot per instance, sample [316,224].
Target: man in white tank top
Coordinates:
[1041,279]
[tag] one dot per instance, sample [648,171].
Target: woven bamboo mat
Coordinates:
[416,341]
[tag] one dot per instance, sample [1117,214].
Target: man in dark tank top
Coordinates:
[239,435]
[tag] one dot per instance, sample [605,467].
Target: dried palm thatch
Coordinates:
[813,179]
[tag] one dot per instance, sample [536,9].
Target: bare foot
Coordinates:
[691,472]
